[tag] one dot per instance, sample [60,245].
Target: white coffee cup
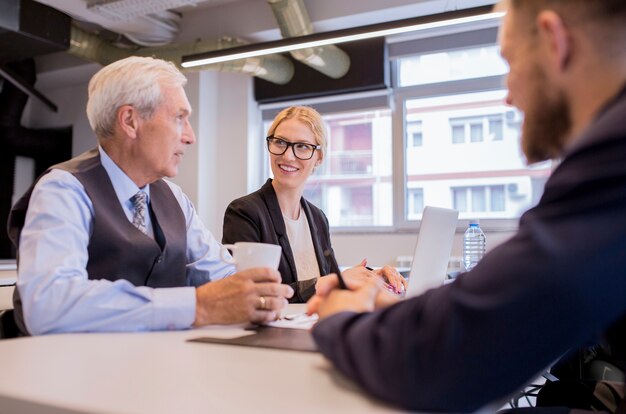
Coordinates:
[247,255]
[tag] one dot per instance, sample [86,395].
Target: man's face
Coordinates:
[547,122]
[162,139]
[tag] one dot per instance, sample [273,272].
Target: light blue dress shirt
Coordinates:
[57,295]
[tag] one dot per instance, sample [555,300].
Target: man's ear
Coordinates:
[128,120]
[556,38]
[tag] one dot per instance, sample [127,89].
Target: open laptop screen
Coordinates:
[432,251]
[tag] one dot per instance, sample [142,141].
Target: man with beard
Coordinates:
[560,282]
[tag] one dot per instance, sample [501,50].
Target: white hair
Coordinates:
[134,81]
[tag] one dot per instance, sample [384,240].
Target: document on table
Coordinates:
[295,321]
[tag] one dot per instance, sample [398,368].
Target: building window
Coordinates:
[496,128]
[414,136]
[415,203]
[477,199]
[477,129]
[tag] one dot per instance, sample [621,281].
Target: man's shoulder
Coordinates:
[84,162]
[57,177]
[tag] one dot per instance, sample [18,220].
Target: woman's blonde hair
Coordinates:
[308,116]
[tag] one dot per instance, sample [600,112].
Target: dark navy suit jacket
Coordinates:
[557,284]
[257,218]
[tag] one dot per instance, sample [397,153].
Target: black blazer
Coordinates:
[257,218]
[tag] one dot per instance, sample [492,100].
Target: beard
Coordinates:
[547,121]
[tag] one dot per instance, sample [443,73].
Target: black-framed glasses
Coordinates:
[301,150]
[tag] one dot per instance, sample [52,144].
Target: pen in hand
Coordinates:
[342,283]
[390,288]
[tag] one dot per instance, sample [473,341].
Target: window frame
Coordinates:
[401,46]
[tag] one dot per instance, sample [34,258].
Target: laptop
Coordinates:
[432,251]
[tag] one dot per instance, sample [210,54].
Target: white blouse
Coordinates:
[301,242]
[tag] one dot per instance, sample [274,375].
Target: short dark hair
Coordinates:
[603,20]
[587,10]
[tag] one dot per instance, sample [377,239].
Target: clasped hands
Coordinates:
[368,290]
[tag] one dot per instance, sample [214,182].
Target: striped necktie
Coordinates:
[139,218]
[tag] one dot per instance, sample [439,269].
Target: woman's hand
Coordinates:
[370,295]
[357,275]
[395,280]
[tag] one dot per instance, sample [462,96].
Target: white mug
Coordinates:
[247,255]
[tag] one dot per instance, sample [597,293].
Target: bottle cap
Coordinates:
[474,221]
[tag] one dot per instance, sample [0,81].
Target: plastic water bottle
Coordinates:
[473,245]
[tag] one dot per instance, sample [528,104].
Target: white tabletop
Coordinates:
[6,297]
[160,372]
[8,277]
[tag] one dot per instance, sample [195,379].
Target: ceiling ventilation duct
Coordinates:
[152,27]
[273,68]
[145,22]
[130,9]
[29,29]
[158,25]
[293,20]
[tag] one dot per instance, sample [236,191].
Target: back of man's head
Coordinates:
[132,81]
[611,13]
[602,22]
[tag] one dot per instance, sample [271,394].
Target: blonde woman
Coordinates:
[278,213]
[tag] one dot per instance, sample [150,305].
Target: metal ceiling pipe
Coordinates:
[90,47]
[293,20]
[273,68]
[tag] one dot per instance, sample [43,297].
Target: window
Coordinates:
[455,142]
[469,157]
[414,134]
[478,199]
[473,129]
[496,128]
[415,203]
[353,184]
[469,154]
[445,66]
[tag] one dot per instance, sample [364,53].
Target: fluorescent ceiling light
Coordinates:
[342,36]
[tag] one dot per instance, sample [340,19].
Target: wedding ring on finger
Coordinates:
[262,303]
